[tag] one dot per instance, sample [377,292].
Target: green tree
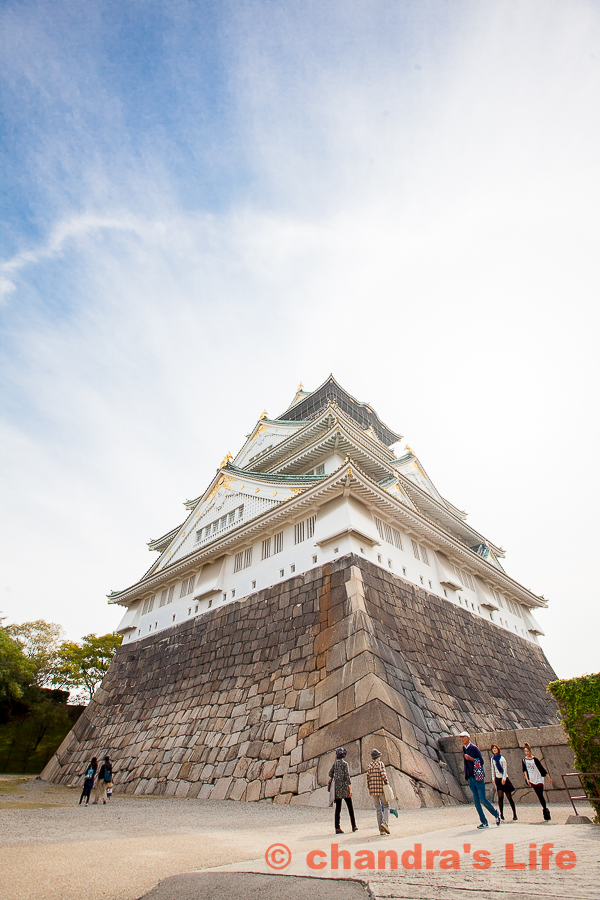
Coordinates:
[40,641]
[84,665]
[16,670]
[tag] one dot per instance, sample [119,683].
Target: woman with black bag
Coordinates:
[88,784]
[339,774]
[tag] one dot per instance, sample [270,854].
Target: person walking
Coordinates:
[340,774]
[535,773]
[503,783]
[475,775]
[88,783]
[104,778]
[376,779]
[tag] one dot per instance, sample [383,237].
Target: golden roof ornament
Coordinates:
[300,387]
[226,459]
[263,414]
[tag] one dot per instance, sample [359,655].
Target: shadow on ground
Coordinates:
[246,886]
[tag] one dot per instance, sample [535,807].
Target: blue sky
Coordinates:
[206,203]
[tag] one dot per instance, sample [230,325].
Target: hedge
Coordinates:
[579,704]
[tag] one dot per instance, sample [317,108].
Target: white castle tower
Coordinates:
[317,483]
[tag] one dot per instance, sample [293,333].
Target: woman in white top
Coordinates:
[503,783]
[535,773]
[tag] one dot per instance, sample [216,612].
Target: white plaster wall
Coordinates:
[294,559]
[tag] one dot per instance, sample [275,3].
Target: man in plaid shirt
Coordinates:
[376,778]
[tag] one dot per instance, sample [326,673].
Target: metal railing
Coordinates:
[587,795]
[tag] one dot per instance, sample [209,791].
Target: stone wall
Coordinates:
[549,744]
[249,701]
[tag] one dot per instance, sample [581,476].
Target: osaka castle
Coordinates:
[319,592]
[314,484]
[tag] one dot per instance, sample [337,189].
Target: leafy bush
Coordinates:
[579,703]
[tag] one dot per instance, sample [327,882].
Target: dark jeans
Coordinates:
[479,799]
[338,809]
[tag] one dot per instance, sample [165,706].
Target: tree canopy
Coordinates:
[32,654]
[17,671]
[84,665]
[40,641]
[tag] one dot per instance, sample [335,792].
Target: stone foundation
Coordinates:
[249,701]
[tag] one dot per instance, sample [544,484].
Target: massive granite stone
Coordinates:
[249,701]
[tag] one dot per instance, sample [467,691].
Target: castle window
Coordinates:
[233,594]
[424,556]
[253,585]
[163,597]
[403,570]
[266,548]
[320,470]
[170,594]
[281,573]
[310,526]
[278,542]
[415,547]
[148,605]
[299,532]
[390,563]
[247,557]
[187,586]
[292,568]
[238,563]
[379,557]
[387,533]
[314,559]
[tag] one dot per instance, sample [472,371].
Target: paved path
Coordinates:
[53,849]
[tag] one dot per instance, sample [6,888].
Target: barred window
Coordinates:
[415,547]
[219,524]
[148,605]
[171,593]
[465,578]
[163,597]
[266,548]
[320,470]
[238,564]
[187,586]
[247,557]
[388,533]
[278,542]
[424,556]
[299,532]
[310,526]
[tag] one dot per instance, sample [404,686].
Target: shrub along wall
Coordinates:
[578,700]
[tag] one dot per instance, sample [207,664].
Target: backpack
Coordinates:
[107,774]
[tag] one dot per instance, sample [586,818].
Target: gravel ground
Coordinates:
[54,849]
